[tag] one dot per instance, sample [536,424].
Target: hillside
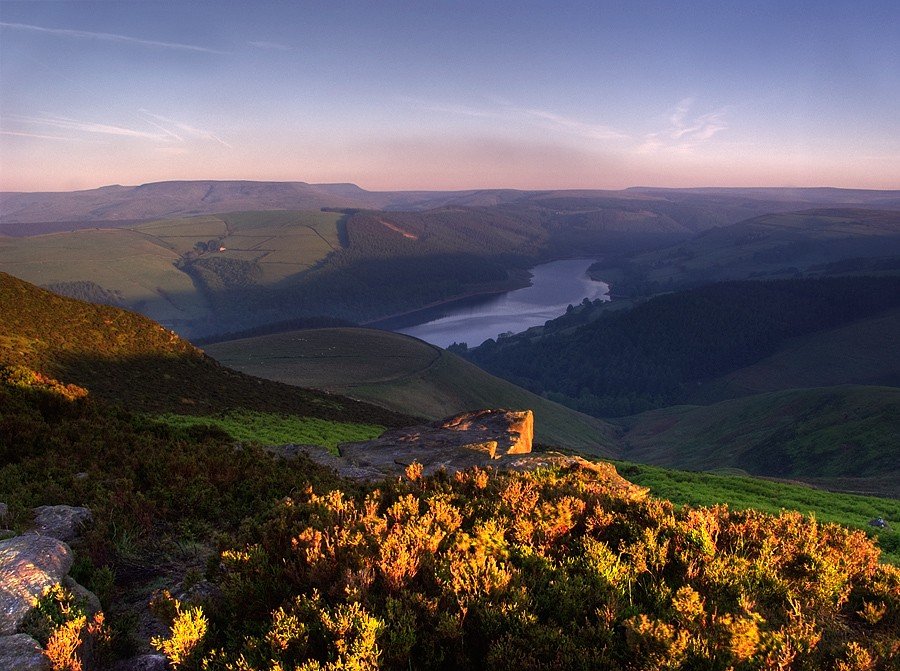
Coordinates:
[230,557]
[125,358]
[405,375]
[839,437]
[621,362]
[861,352]
[188,198]
[808,243]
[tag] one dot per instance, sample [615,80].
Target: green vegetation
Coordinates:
[861,352]
[551,569]
[126,358]
[839,437]
[789,244]
[273,429]
[569,568]
[740,492]
[657,353]
[405,375]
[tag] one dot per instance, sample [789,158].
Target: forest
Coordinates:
[625,362]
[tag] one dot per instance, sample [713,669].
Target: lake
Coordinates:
[554,286]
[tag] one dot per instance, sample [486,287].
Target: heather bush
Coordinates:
[548,570]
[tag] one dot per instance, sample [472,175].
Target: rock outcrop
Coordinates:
[20,652]
[469,439]
[62,522]
[29,565]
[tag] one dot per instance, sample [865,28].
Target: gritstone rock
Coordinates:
[20,652]
[29,565]
[62,522]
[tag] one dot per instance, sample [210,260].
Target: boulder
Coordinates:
[20,652]
[29,565]
[61,522]
[480,438]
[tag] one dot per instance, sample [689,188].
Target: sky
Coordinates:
[451,95]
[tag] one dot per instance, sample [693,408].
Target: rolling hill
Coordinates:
[124,358]
[808,243]
[842,437]
[861,352]
[663,350]
[405,375]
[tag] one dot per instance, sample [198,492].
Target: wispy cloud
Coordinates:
[685,131]
[38,136]
[66,123]
[270,46]
[576,126]
[107,37]
[507,112]
[156,128]
[187,129]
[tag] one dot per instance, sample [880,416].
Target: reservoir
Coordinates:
[554,286]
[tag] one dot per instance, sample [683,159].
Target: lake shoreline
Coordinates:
[387,323]
[554,285]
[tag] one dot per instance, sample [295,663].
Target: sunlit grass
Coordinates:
[707,489]
[277,429]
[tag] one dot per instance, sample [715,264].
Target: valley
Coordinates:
[763,406]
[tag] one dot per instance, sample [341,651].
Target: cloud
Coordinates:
[183,127]
[107,37]
[684,131]
[507,112]
[164,131]
[581,128]
[33,135]
[66,123]
[270,46]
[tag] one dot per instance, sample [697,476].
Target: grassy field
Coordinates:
[144,263]
[863,352]
[268,428]
[399,372]
[141,270]
[707,489]
[843,437]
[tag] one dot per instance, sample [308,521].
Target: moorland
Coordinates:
[743,380]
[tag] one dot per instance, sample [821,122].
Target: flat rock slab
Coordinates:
[61,522]
[479,438]
[20,652]
[29,565]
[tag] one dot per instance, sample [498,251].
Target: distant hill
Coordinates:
[838,437]
[125,358]
[809,243]
[188,198]
[405,375]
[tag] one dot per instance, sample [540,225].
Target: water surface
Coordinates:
[554,286]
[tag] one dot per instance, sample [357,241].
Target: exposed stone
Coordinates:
[323,457]
[20,652]
[88,599]
[479,438]
[149,662]
[29,565]
[62,522]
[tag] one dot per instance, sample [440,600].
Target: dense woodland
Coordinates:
[621,363]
